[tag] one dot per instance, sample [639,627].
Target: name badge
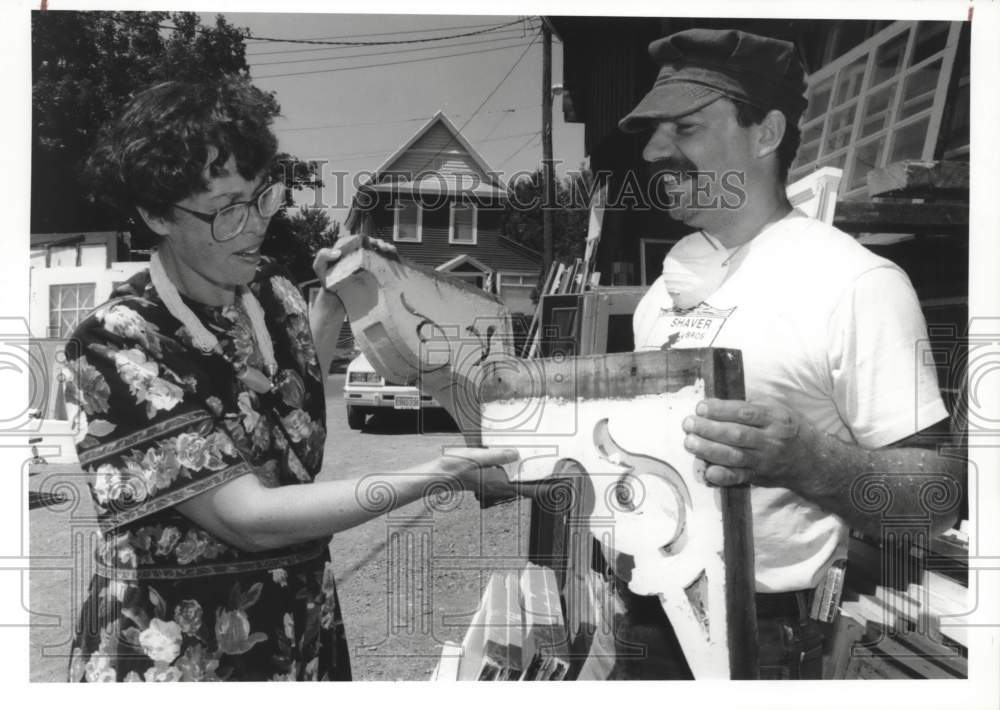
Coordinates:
[696,328]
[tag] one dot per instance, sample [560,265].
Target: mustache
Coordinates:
[670,166]
[670,170]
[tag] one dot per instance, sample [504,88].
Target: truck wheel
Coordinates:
[355,418]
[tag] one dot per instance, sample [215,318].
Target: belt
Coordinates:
[793,604]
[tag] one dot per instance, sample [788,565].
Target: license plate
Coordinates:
[406,401]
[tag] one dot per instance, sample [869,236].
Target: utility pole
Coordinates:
[548,169]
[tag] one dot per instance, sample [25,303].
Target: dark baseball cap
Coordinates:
[699,66]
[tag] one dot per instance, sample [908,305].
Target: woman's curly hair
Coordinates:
[155,154]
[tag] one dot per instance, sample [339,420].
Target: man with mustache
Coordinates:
[839,397]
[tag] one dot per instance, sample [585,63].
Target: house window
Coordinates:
[881,102]
[68,304]
[515,289]
[477,279]
[408,222]
[462,225]
[472,274]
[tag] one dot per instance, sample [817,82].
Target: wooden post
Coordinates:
[548,169]
[724,379]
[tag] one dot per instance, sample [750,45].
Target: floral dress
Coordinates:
[166,422]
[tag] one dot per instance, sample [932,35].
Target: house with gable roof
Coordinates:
[441,205]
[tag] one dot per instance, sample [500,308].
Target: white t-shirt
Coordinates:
[827,328]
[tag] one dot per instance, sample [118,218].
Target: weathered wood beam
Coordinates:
[902,217]
[940,179]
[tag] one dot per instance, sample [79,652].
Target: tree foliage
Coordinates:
[86,65]
[294,240]
[522,219]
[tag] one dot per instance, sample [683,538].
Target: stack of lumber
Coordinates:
[517,633]
[570,278]
[561,279]
[942,188]
[903,613]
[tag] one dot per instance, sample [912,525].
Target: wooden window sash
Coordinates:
[397,210]
[68,303]
[946,55]
[451,223]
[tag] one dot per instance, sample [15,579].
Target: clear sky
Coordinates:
[355,118]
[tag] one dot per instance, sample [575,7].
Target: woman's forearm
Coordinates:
[246,514]
[250,516]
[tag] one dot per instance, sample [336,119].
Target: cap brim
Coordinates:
[667,101]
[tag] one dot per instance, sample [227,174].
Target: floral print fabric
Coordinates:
[164,423]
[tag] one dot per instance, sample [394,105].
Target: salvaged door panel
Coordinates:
[617,419]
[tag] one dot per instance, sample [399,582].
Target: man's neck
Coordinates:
[759,212]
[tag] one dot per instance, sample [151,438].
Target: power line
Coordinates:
[500,83]
[516,152]
[348,43]
[504,115]
[352,125]
[388,64]
[406,32]
[527,21]
[385,123]
[387,151]
[383,53]
[496,88]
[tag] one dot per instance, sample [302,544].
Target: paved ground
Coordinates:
[407,581]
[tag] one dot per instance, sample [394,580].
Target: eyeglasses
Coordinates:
[228,222]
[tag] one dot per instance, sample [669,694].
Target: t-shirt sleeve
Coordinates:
[151,442]
[646,313]
[882,369]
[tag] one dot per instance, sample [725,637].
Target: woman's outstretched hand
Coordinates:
[472,465]
[466,461]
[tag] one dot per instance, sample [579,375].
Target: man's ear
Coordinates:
[770,132]
[159,225]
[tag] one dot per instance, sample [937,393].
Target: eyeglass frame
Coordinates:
[209,218]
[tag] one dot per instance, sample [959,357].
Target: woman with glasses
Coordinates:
[202,392]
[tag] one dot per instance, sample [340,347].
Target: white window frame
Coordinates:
[934,113]
[470,277]
[396,210]
[475,223]
[514,278]
[523,278]
[56,313]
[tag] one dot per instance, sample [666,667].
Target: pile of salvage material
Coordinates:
[518,632]
[903,612]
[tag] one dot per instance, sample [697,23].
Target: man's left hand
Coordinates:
[760,442]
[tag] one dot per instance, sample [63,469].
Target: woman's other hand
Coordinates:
[323,261]
[326,257]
